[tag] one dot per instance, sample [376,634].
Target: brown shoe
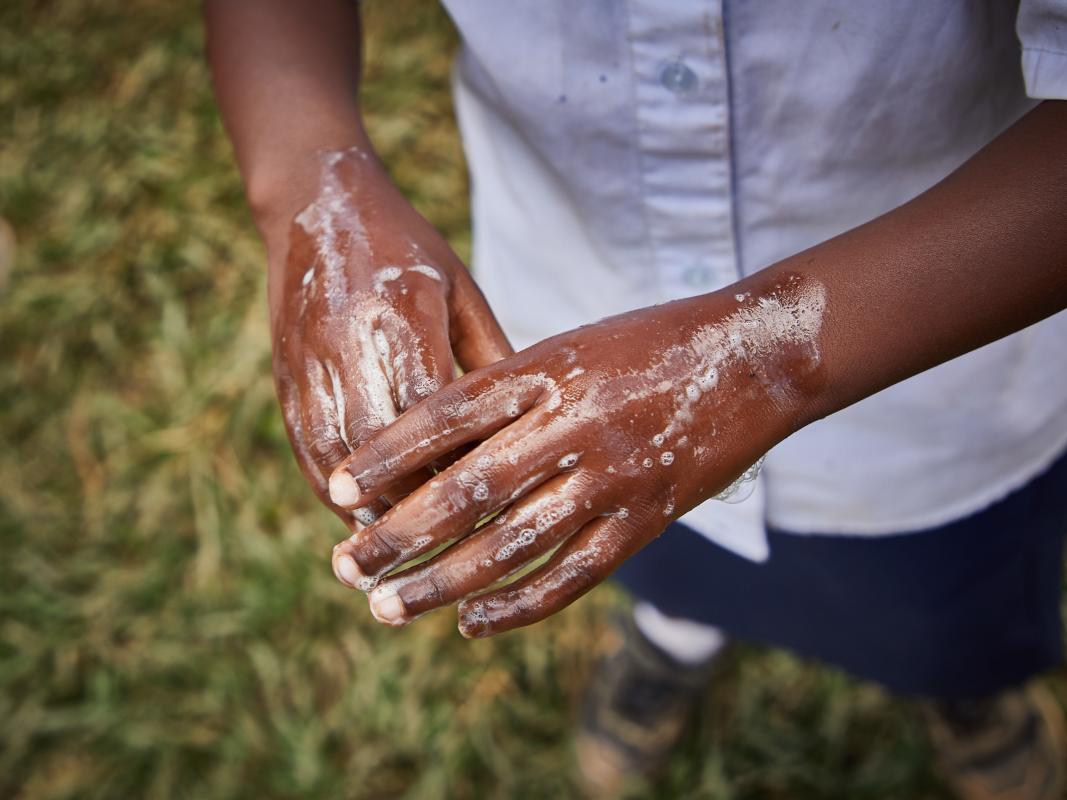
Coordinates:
[1010,746]
[638,703]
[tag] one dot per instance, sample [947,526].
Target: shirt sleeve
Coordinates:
[1042,30]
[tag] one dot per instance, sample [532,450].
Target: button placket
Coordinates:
[681,96]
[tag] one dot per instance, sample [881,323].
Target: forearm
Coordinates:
[286,76]
[979,256]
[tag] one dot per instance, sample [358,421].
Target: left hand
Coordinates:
[594,440]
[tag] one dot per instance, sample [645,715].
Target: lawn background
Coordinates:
[169,626]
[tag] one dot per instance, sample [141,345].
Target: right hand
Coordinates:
[370,311]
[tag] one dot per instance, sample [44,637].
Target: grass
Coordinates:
[169,626]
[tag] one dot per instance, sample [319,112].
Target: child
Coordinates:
[838,197]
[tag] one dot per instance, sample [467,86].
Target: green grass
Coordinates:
[169,626]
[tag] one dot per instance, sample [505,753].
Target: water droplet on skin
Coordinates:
[743,486]
[568,461]
[667,458]
[657,440]
[647,462]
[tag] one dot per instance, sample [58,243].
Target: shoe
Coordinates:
[637,704]
[1010,746]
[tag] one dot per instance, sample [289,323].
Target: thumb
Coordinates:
[477,338]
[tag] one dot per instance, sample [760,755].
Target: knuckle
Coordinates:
[376,551]
[453,408]
[383,461]
[436,588]
[325,446]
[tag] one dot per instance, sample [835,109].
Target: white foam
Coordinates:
[339,403]
[364,516]
[427,270]
[333,217]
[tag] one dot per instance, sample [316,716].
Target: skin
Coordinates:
[565,434]
[981,255]
[370,308]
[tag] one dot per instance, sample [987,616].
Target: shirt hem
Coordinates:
[806,525]
[1045,73]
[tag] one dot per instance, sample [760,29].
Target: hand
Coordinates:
[594,441]
[370,310]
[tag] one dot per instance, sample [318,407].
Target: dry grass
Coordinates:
[168,623]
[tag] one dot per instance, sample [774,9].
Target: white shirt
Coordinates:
[629,153]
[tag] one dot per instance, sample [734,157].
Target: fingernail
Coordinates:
[473,621]
[386,605]
[347,570]
[343,489]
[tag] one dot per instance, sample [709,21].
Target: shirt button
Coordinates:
[678,78]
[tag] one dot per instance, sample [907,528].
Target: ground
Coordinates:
[169,626]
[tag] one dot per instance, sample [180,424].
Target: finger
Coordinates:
[515,537]
[316,410]
[289,399]
[362,395]
[582,562]
[502,470]
[472,408]
[415,353]
[477,338]
[420,359]
[320,416]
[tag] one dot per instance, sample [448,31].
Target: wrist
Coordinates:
[768,332]
[283,176]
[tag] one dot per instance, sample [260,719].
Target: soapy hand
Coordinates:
[591,443]
[372,311]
